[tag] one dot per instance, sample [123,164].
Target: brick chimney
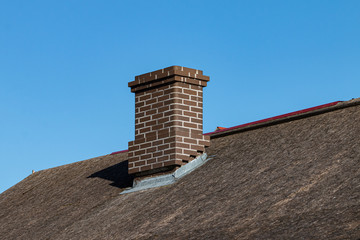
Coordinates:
[168,120]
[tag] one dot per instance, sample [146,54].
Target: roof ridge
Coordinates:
[307,112]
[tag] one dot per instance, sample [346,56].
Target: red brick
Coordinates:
[145,145]
[198,148]
[145,168]
[150,135]
[151,112]
[157,116]
[192,81]
[190,140]
[182,107]
[194,87]
[205,143]
[162,147]
[183,134]
[157,105]
[150,161]
[163,120]
[158,154]
[139,163]
[195,98]
[144,130]
[151,150]
[190,103]
[172,139]
[151,138]
[172,101]
[143,109]
[139,152]
[190,125]
[190,114]
[170,163]
[163,98]
[151,101]
[183,96]
[190,92]
[158,142]
[196,131]
[139,104]
[150,123]
[164,109]
[181,118]
[173,123]
[172,112]
[157,127]
[196,109]
[163,131]
[140,125]
[170,151]
[139,115]
[134,170]
[133,159]
[177,90]
[145,97]
[146,156]
[190,152]
[182,145]
[144,119]
[163,158]
[133,148]
[157,165]
[184,157]
[139,140]
[195,120]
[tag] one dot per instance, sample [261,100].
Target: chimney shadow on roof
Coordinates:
[117,173]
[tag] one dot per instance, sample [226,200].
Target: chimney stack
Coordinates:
[168,120]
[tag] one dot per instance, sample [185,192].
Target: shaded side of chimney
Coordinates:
[168,120]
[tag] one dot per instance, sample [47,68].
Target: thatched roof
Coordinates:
[298,179]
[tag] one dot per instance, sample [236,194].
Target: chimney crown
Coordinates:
[168,75]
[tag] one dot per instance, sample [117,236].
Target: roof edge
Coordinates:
[308,112]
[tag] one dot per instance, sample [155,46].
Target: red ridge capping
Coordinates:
[122,151]
[219,128]
[276,117]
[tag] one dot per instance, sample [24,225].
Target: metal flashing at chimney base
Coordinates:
[169,178]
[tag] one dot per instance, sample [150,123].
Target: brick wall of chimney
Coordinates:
[168,120]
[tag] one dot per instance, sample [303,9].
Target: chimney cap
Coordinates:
[167,75]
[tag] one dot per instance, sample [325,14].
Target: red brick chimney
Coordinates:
[168,120]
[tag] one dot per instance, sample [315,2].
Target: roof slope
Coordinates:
[297,179]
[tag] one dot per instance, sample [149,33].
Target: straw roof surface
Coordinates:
[294,180]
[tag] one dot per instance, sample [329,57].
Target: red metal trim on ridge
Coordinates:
[276,117]
[119,152]
[261,121]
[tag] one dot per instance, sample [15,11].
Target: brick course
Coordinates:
[168,119]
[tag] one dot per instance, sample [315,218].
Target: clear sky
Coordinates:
[65,65]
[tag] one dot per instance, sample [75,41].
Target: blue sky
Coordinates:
[65,65]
